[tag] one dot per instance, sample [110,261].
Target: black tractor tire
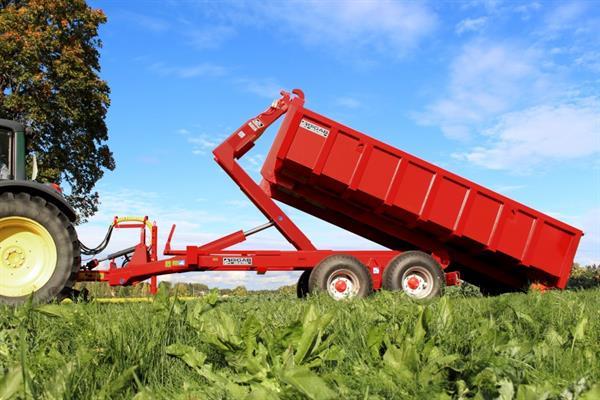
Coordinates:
[356,277]
[302,285]
[427,272]
[64,236]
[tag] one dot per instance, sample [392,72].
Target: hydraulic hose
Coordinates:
[92,251]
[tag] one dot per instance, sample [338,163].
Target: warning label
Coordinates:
[309,126]
[256,124]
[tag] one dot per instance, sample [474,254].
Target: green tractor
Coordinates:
[39,249]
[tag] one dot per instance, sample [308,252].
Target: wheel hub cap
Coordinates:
[413,282]
[28,256]
[343,284]
[14,257]
[340,285]
[417,282]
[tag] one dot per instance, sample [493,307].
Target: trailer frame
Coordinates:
[144,262]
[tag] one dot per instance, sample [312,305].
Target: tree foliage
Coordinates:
[49,80]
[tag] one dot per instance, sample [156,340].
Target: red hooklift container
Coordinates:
[402,202]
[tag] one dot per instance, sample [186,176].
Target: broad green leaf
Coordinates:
[506,390]
[56,310]
[144,394]
[235,391]
[11,383]
[553,338]
[58,387]
[188,354]
[259,392]
[396,366]
[308,383]
[592,394]
[393,358]
[310,315]
[419,330]
[532,392]
[307,340]
[524,317]
[579,331]
[333,353]
[249,332]
[312,331]
[444,312]
[114,386]
[212,297]
[375,336]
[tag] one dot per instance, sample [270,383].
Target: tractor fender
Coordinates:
[46,192]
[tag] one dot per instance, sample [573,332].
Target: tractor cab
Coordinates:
[12,150]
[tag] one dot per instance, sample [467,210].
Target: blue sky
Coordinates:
[504,93]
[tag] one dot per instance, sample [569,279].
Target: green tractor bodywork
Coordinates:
[39,249]
[12,150]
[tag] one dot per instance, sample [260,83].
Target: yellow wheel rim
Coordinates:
[27,256]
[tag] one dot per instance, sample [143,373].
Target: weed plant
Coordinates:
[514,346]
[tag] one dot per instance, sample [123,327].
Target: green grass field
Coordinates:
[532,346]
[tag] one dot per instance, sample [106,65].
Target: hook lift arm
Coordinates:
[227,154]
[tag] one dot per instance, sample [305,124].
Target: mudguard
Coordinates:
[46,192]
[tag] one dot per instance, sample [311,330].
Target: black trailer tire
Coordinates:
[498,289]
[37,237]
[415,273]
[342,277]
[302,285]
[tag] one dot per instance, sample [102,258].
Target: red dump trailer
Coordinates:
[437,225]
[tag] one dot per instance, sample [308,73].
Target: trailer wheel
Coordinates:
[39,251]
[342,277]
[415,273]
[302,285]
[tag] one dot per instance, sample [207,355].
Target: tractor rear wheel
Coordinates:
[342,277]
[39,250]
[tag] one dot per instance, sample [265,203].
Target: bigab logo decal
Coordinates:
[237,260]
[314,128]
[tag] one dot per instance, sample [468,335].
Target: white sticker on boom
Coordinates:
[309,126]
[237,260]
[255,124]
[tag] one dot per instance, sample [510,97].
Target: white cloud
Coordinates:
[268,88]
[525,138]
[348,102]
[255,160]
[147,22]
[507,188]
[203,143]
[590,60]
[565,15]
[230,280]
[210,37]
[238,203]
[471,25]
[199,70]
[384,26]
[589,249]
[486,79]
[520,106]
[525,10]
[380,25]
